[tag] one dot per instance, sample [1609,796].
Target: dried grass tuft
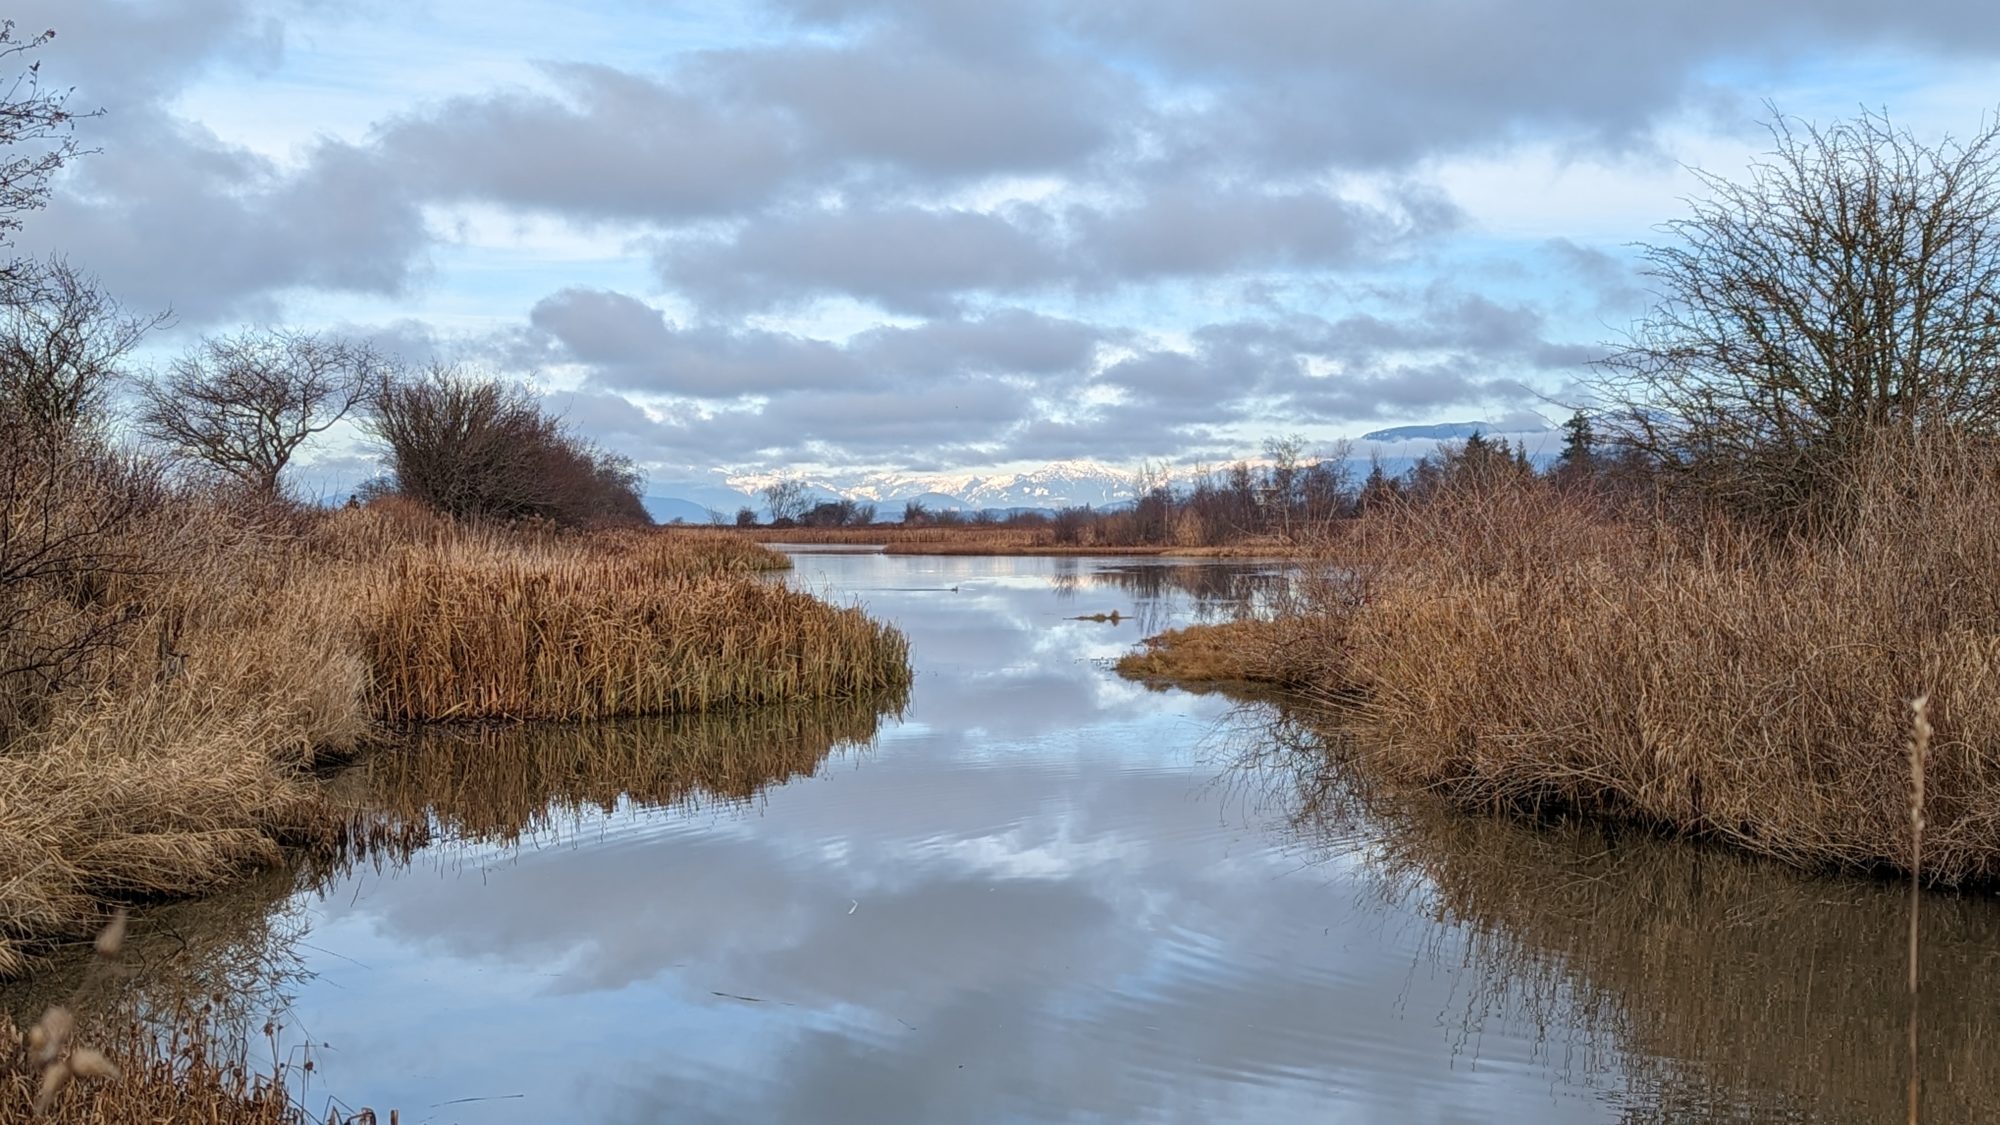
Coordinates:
[254,650]
[1519,646]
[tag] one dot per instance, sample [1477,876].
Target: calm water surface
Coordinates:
[1041,893]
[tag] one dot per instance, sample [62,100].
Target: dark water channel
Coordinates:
[1041,893]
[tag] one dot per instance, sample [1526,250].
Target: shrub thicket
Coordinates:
[478,448]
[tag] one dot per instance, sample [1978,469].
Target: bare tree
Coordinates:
[786,499]
[38,134]
[1851,283]
[243,404]
[62,346]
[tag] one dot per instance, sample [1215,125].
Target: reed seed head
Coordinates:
[111,939]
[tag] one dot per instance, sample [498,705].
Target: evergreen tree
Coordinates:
[1579,451]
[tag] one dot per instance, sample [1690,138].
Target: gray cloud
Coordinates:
[1001,386]
[123,55]
[924,261]
[906,259]
[1181,230]
[1167,145]
[626,344]
[1007,341]
[888,99]
[172,217]
[608,145]
[1301,83]
[630,346]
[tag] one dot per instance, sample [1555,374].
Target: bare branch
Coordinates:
[243,405]
[1852,283]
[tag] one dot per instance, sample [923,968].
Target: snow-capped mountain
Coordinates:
[1058,485]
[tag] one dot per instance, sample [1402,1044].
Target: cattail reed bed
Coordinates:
[227,654]
[589,636]
[1513,644]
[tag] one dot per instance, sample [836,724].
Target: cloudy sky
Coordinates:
[937,234]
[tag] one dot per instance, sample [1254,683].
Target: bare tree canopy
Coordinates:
[1851,284]
[243,404]
[38,135]
[62,345]
[787,499]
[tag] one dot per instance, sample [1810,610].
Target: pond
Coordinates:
[1034,891]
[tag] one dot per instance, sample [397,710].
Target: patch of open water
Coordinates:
[1042,893]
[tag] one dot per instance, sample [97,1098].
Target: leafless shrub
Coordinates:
[478,448]
[63,344]
[1851,284]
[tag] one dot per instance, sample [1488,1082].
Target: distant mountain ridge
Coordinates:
[1059,484]
[1436,431]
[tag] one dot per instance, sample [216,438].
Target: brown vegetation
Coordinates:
[229,652]
[63,1069]
[183,1076]
[644,626]
[1248,651]
[1517,644]
[1700,980]
[476,447]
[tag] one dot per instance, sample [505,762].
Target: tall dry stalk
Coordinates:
[1516,646]
[1920,744]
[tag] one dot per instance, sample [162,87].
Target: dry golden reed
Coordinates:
[1515,645]
[588,632]
[184,1078]
[253,649]
[1249,651]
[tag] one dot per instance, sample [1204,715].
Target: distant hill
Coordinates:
[667,509]
[1436,431]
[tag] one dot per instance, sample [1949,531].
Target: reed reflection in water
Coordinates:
[1168,593]
[497,784]
[235,960]
[1712,987]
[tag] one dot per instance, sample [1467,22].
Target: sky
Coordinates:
[925,235]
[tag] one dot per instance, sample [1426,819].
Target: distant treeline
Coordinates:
[1285,497]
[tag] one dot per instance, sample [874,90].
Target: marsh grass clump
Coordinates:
[56,1071]
[140,1079]
[1515,644]
[172,752]
[470,633]
[183,689]
[1247,651]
